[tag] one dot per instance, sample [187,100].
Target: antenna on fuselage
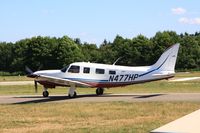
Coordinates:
[118,60]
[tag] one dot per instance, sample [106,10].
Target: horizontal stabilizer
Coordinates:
[163,74]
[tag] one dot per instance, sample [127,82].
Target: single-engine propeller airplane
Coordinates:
[102,76]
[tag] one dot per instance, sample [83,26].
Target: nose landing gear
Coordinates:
[45,92]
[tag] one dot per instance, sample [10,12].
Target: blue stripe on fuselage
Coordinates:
[154,69]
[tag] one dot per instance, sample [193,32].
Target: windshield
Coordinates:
[64,69]
[74,69]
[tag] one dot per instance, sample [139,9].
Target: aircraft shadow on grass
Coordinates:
[40,99]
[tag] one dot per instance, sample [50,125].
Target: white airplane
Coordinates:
[102,76]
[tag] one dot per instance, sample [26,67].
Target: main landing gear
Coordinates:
[72,93]
[99,91]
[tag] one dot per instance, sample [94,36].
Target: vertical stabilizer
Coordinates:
[167,60]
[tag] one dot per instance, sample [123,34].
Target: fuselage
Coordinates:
[103,75]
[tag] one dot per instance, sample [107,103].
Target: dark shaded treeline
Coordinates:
[54,53]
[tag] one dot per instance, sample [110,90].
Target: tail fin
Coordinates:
[167,60]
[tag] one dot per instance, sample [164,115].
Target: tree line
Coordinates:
[54,53]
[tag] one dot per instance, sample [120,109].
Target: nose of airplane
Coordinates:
[32,75]
[43,72]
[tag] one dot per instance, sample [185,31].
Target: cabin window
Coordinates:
[100,71]
[112,72]
[64,69]
[74,69]
[86,70]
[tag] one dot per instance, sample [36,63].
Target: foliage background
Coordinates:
[55,53]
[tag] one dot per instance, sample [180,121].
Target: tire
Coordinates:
[45,93]
[75,94]
[99,91]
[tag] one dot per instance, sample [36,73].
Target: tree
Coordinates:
[144,48]
[67,51]
[161,41]
[189,53]
[6,56]
[90,52]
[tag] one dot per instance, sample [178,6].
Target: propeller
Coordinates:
[32,75]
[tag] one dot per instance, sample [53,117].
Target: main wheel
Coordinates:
[73,96]
[99,91]
[45,93]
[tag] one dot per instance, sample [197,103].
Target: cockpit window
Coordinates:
[74,69]
[64,69]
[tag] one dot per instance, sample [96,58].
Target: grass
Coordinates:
[187,74]
[107,117]
[14,78]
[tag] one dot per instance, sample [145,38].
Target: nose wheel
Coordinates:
[45,93]
[99,91]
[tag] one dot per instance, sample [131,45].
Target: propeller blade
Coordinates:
[28,70]
[36,87]
[30,73]
[40,67]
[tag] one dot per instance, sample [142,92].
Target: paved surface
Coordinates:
[17,83]
[134,97]
[186,124]
[184,79]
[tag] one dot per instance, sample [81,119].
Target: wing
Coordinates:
[60,81]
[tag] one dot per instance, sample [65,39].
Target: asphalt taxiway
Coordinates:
[133,97]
